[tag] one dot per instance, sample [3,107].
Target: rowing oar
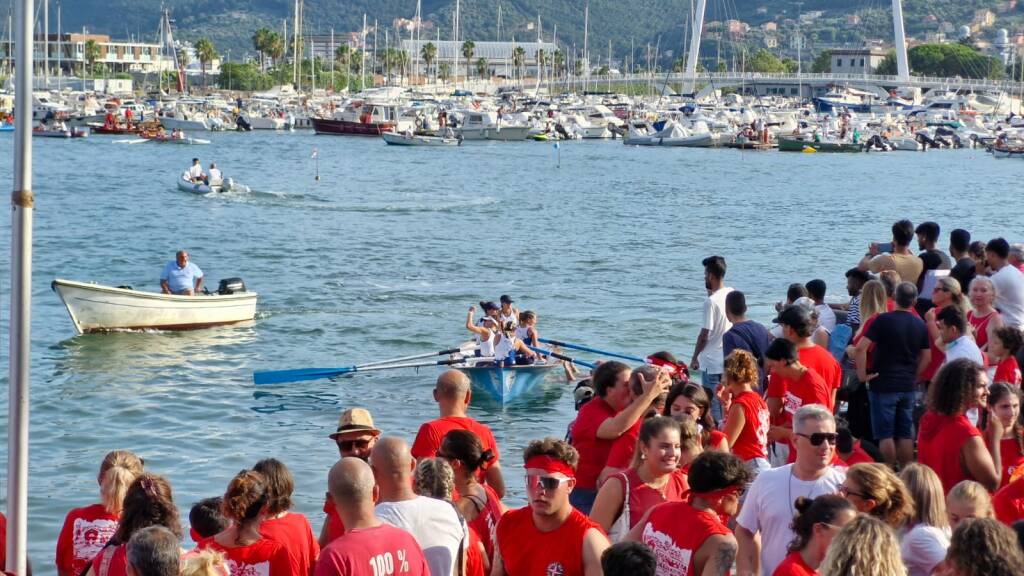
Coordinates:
[561,344]
[300,374]
[590,365]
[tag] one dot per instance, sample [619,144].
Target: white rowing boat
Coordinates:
[98,308]
[396,139]
[226,185]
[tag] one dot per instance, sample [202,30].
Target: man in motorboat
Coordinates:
[180,276]
[216,177]
[195,173]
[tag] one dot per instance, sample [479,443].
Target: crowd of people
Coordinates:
[879,436]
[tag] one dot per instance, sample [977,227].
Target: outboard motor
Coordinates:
[230,286]
[242,124]
[562,131]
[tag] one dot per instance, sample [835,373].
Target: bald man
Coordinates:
[369,547]
[436,526]
[452,393]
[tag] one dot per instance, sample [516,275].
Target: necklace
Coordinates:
[789,490]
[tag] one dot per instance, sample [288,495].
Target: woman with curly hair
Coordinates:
[748,419]
[875,490]
[246,504]
[97,522]
[984,547]
[690,398]
[947,441]
[148,502]
[864,547]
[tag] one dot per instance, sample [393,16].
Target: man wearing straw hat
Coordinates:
[354,437]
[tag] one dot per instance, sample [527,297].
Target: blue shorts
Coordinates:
[892,415]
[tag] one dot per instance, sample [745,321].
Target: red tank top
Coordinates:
[938,355]
[111,561]
[642,497]
[526,551]
[753,439]
[980,324]
[487,520]
[675,532]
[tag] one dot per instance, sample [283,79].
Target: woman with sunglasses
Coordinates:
[925,539]
[689,537]
[691,399]
[875,490]
[651,479]
[815,524]
[947,293]
[947,441]
[478,503]
[984,318]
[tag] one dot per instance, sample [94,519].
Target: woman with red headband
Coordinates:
[689,537]
[548,535]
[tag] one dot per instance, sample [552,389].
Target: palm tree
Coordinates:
[275,47]
[428,53]
[206,53]
[402,61]
[92,54]
[261,42]
[558,62]
[518,59]
[444,71]
[467,52]
[541,60]
[481,67]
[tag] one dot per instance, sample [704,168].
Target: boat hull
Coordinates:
[507,384]
[402,140]
[98,308]
[795,145]
[344,127]
[227,185]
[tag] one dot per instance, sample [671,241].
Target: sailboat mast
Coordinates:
[46,44]
[20,326]
[295,47]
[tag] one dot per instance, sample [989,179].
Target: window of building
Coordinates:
[853,62]
[793,91]
[839,63]
[861,62]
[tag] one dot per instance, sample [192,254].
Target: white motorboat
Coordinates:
[487,125]
[225,185]
[98,308]
[396,139]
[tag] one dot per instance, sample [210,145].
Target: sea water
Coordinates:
[383,256]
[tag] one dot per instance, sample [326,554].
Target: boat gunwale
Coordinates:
[214,297]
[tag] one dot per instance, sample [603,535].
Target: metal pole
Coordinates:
[60,70]
[21,298]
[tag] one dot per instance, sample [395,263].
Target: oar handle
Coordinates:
[592,350]
[562,357]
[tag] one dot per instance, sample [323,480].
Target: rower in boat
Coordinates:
[181,277]
[527,329]
[486,329]
[507,313]
[511,351]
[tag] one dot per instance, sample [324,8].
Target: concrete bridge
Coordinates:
[711,81]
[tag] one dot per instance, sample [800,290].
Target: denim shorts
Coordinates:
[892,414]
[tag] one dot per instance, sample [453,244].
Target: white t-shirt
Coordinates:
[963,347]
[1010,295]
[215,175]
[769,509]
[434,524]
[826,317]
[922,548]
[716,323]
[195,171]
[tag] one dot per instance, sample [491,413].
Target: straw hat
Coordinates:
[355,420]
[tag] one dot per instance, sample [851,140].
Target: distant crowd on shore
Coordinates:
[878,437]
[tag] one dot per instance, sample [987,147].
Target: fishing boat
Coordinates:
[798,145]
[396,139]
[506,384]
[98,308]
[225,185]
[1007,152]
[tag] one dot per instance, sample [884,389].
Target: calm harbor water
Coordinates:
[382,258]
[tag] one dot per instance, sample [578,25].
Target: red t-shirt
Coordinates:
[1008,503]
[1008,371]
[335,527]
[642,497]
[675,531]
[811,388]
[261,558]
[116,561]
[593,451]
[623,448]
[527,551]
[939,441]
[487,520]
[383,550]
[858,456]
[294,533]
[3,539]
[753,439]
[794,565]
[821,361]
[428,439]
[1012,457]
[715,440]
[86,531]
[474,557]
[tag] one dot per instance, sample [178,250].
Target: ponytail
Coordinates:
[117,472]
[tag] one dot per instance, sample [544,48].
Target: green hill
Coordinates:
[662,23]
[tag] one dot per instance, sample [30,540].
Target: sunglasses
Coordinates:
[347,445]
[818,437]
[546,483]
[844,492]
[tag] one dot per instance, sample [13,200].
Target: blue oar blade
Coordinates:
[298,375]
